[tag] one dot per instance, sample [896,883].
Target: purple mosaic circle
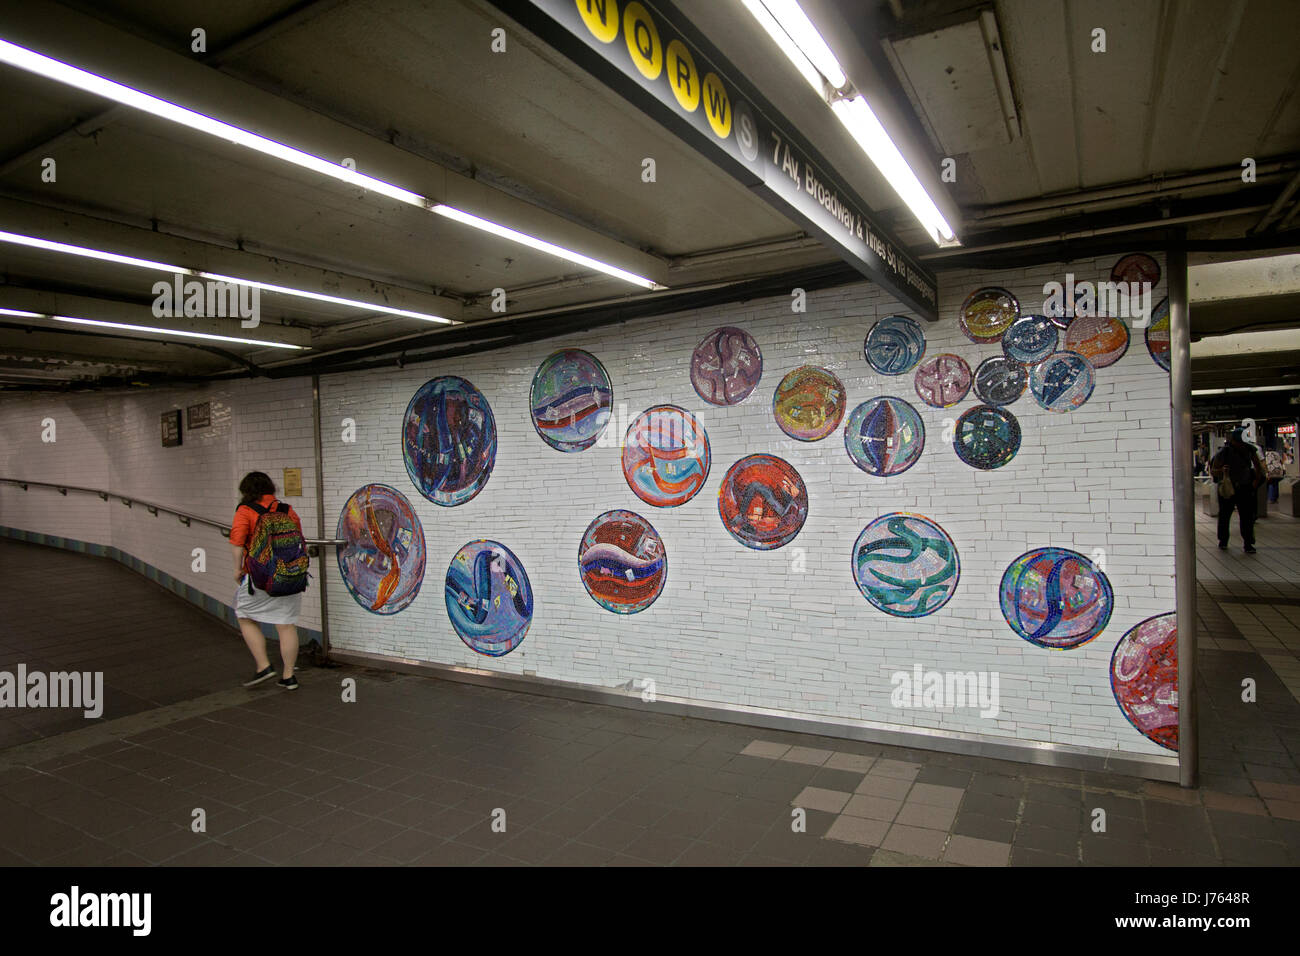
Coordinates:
[726,366]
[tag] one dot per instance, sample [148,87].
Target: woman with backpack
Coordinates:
[271,573]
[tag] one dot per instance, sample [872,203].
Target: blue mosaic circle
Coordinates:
[489,598]
[1000,380]
[894,345]
[905,565]
[1063,381]
[986,437]
[1030,339]
[884,436]
[449,440]
[1158,335]
[570,398]
[1056,598]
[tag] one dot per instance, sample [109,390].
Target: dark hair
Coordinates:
[255,485]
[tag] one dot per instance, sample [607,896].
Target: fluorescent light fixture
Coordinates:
[51,246]
[451,212]
[88,253]
[796,25]
[54,69]
[73,76]
[1247,388]
[322,297]
[863,126]
[791,50]
[153,330]
[797,37]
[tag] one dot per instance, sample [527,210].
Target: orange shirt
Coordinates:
[246,518]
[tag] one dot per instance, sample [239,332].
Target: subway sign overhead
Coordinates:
[650,54]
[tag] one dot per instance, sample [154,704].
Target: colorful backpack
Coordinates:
[277,554]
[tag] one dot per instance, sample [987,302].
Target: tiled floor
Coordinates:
[420,771]
[154,649]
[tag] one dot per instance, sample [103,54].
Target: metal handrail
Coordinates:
[153,508]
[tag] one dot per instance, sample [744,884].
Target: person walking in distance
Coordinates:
[1275,468]
[271,562]
[1239,472]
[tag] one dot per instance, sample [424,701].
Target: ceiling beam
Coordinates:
[84,230]
[91,45]
[215,58]
[113,310]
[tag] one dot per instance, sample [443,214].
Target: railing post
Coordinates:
[1180,395]
[320,515]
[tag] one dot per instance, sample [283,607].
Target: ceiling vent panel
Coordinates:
[957,80]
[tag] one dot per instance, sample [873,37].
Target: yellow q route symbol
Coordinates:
[643,43]
[601,18]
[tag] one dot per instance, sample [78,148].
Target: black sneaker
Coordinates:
[263,675]
[289,683]
[1250,549]
[1223,546]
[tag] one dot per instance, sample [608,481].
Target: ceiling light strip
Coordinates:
[73,76]
[35,242]
[153,330]
[803,45]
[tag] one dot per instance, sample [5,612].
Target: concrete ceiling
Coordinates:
[1155,127]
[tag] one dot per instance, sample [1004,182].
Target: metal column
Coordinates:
[1180,392]
[320,515]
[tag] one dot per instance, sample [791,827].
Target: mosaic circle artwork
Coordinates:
[1000,381]
[763,502]
[1137,267]
[666,456]
[1031,338]
[1158,334]
[987,313]
[986,437]
[622,562]
[1062,382]
[382,564]
[1055,598]
[884,436]
[1101,339]
[449,440]
[1144,678]
[489,599]
[570,400]
[726,366]
[906,565]
[1063,320]
[943,381]
[809,403]
[894,345]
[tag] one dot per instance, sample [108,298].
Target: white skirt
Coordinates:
[261,607]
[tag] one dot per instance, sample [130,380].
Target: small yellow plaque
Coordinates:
[293,482]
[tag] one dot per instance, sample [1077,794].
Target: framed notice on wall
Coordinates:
[198,416]
[293,482]
[171,428]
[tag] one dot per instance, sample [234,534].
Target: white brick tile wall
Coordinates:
[732,625]
[112,440]
[740,626]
